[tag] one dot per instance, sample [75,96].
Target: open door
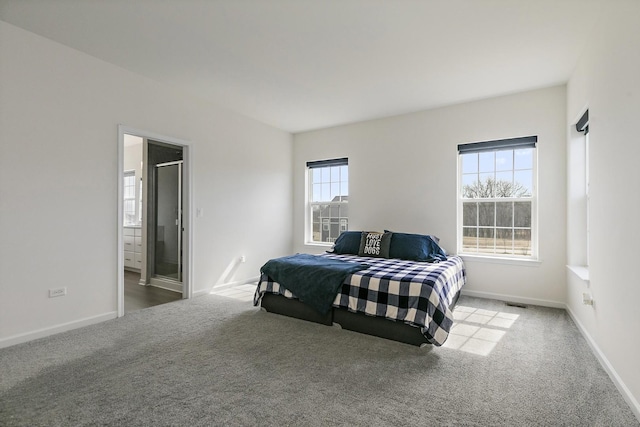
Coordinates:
[168,221]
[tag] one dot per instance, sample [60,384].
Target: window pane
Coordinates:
[335,173]
[129,207]
[486,240]
[316,175]
[504,160]
[470,185]
[344,173]
[326,174]
[470,214]
[344,188]
[326,192]
[487,162]
[504,241]
[315,212]
[524,182]
[504,178]
[486,214]
[522,214]
[335,190]
[470,239]
[486,185]
[523,158]
[317,193]
[504,214]
[470,163]
[522,242]
[316,232]
[334,230]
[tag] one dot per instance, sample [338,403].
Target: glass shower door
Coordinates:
[168,251]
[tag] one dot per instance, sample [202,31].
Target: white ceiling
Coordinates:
[307,64]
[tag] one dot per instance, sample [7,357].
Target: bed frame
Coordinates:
[357,322]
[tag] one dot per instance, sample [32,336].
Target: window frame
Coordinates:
[342,222]
[493,146]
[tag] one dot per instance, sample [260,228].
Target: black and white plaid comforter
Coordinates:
[416,293]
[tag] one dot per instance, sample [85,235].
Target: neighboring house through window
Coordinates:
[328,195]
[497,198]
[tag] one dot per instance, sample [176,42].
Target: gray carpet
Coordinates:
[217,361]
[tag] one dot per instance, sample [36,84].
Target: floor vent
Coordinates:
[515,304]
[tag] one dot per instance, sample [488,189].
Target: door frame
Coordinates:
[187,211]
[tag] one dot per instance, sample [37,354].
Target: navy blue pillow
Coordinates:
[347,243]
[415,247]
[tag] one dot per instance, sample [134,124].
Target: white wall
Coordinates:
[607,81]
[402,176]
[59,116]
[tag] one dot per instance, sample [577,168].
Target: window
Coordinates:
[497,198]
[129,197]
[583,127]
[328,195]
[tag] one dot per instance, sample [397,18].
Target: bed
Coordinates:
[400,299]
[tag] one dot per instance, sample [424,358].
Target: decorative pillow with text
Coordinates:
[375,244]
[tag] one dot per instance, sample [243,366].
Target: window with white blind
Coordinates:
[497,198]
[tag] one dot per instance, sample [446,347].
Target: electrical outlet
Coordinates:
[60,292]
[243,258]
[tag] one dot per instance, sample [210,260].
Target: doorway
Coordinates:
[162,234]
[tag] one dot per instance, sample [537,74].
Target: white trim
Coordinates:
[120,230]
[513,298]
[606,365]
[319,244]
[187,289]
[201,293]
[52,330]
[250,280]
[494,259]
[582,271]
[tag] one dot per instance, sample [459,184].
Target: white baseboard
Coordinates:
[513,298]
[200,293]
[250,280]
[52,330]
[606,365]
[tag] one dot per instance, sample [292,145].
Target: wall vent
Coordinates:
[515,304]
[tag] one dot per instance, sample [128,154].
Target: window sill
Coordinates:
[526,262]
[319,244]
[582,271]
